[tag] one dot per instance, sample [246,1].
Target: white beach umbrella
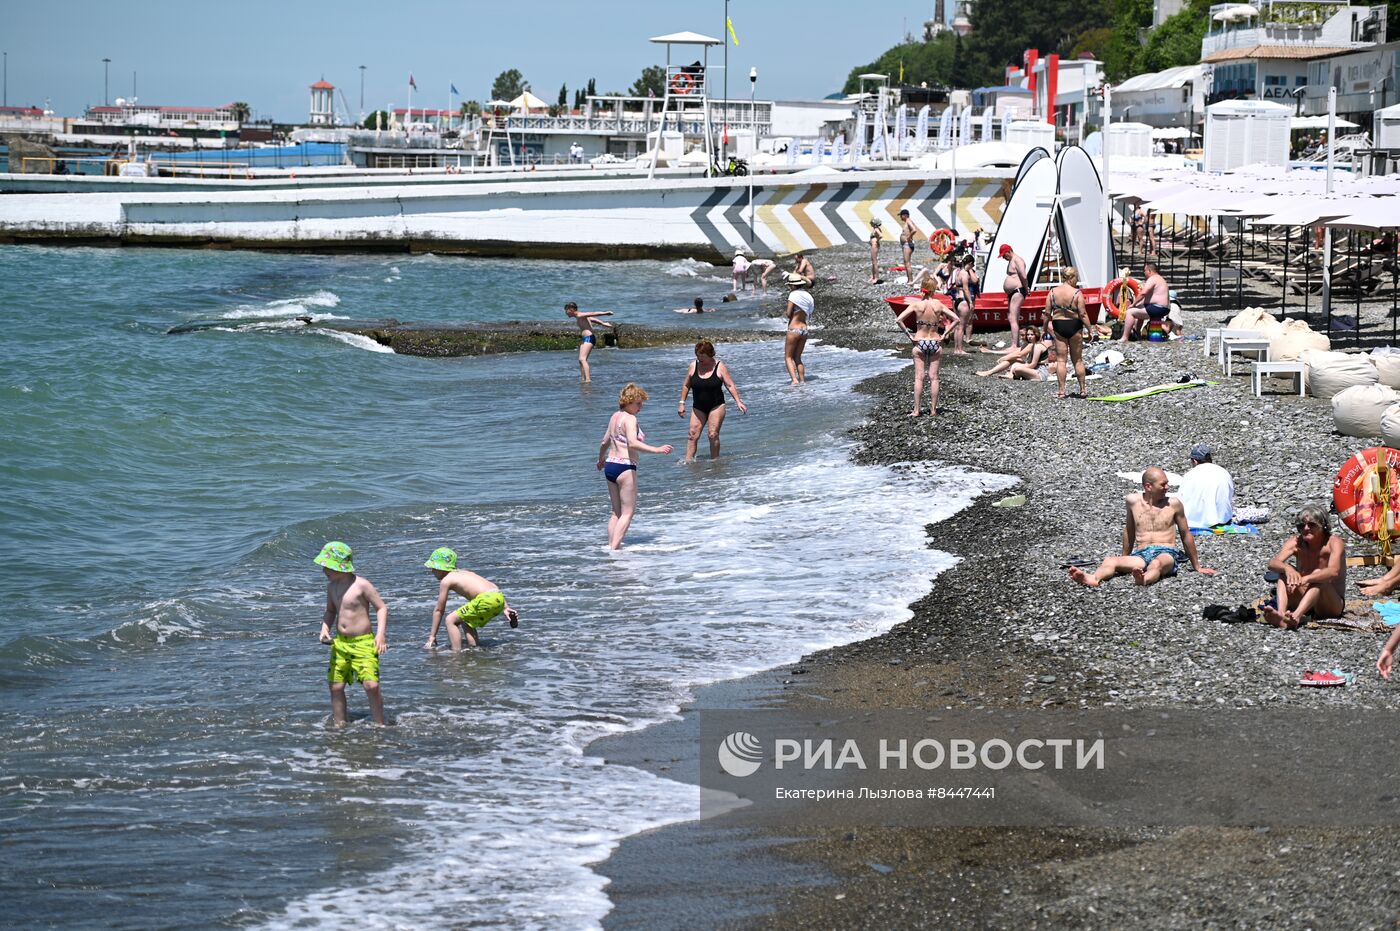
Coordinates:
[1380,213]
[1307,211]
[1318,122]
[528,101]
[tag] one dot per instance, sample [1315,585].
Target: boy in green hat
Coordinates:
[354,653]
[484,601]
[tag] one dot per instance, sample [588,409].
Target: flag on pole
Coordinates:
[454,88]
[901,71]
[729,24]
[412,83]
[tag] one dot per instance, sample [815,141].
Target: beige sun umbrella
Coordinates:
[528,101]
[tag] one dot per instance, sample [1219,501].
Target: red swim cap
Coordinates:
[1001,253]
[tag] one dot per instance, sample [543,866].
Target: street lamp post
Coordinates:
[362,91]
[7,81]
[753,128]
[106,68]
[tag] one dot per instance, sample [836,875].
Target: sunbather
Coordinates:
[1314,587]
[1152,524]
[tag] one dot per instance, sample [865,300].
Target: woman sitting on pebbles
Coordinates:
[1031,350]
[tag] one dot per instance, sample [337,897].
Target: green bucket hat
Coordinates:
[442,558]
[336,555]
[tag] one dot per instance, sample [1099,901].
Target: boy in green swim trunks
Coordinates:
[354,653]
[484,601]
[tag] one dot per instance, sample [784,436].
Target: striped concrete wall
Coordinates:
[700,217]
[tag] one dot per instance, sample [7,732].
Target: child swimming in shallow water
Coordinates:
[484,601]
[354,653]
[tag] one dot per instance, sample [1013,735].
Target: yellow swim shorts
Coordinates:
[479,610]
[353,658]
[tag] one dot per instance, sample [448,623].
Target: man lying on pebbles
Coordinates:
[1152,523]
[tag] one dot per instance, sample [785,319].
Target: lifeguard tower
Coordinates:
[685,99]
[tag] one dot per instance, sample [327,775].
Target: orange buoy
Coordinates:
[941,242]
[1366,492]
[682,83]
[1119,294]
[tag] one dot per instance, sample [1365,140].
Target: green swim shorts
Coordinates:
[479,610]
[353,658]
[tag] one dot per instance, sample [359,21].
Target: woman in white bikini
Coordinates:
[617,460]
[800,310]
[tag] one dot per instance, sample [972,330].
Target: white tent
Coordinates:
[1173,132]
[1245,132]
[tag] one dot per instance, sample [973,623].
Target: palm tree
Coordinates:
[241,111]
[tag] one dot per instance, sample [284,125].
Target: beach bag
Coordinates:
[1357,410]
[1390,426]
[1387,362]
[1293,338]
[1330,373]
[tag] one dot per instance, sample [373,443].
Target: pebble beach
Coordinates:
[1007,628]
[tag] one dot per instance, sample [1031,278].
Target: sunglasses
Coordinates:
[1304,524]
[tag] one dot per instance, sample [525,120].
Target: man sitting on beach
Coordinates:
[1207,491]
[1153,522]
[1154,303]
[1315,587]
[805,269]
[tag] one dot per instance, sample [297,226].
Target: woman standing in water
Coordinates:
[800,309]
[707,378]
[617,460]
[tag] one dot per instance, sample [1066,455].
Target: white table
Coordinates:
[1280,368]
[1232,344]
[1216,333]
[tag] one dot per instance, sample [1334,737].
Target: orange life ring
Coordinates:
[1118,302]
[1356,492]
[682,83]
[942,241]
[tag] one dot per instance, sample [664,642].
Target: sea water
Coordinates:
[168,760]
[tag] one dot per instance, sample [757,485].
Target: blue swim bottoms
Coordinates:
[1157,311]
[612,471]
[1149,553]
[587,339]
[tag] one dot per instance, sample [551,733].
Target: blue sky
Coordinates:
[267,53]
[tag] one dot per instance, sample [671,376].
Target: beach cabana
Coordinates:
[1245,132]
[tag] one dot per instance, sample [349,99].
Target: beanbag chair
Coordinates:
[1293,338]
[1390,426]
[1357,410]
[1387,362]
[1253,318]
[1330,373]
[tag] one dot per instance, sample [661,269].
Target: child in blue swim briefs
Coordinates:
[484,601]
[354,653]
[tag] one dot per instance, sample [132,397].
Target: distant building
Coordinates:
[1174,97]
[1264,53]
[322,104]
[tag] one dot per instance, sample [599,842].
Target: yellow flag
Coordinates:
[901,71]
[729,24]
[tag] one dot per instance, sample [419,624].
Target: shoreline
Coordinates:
[1005,628]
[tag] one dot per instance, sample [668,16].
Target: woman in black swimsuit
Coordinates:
[705,381]
[1068,319]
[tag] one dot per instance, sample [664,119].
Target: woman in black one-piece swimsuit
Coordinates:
[705,381]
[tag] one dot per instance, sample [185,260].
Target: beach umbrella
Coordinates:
[528,101]
[1319,122]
